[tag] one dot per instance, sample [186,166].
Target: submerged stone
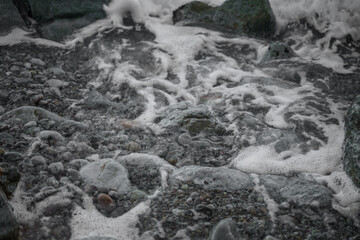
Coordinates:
[351,157]
[252,17]
[278,50]
[195,119]
[106,173]
[212,178]
[226,229]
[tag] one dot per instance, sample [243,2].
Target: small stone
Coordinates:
[138,195]
[30,124]
[37,61]
[184,139]
[25,74]
[56,83]
[27,65]
[14,68]
[38,160]
[105,200]
[226,229]
[185,187]
[13,156]
[133,146]
[74,175]
[56,167]
[56,71]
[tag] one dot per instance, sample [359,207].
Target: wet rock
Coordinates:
[351,157]
[105,200]
[144,170]
[57,19]
[37,61]
[74,175]
[226,229]
[9,17]
[133,147]
[106,173]
[195,119]
[297,190]
[38,160]
[56,168]
[56,83]
[79,147]
[97,238]
[278,50]
[9,178]
[9,227]
[254,18]
[212,178]
[29,113]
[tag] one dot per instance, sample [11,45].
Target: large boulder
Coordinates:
[251,17]
[9,17]
[351,157]
[58,19]
[106,173]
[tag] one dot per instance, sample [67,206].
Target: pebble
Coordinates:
[74,175]
[38,160]
[30,124]
[133,146]
[37,61]
[56,167]
[105,200]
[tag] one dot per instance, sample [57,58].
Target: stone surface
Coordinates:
[106,173]
[194,119]
[212,178]
[351,157]
[226,229]
[9,17]
[278,50]
[251,17]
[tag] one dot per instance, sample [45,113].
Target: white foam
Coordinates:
[336,18]
[18,35]
[88,222]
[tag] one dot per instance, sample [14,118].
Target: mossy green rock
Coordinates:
[251,17]
[351,158]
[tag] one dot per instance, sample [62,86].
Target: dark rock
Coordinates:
[351,158]
[9,227]
[9,17]
[195,119]
[9,178]
[278,50]
[252,17]
[226,229]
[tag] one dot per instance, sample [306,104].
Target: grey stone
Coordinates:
[278,50]
[38,160]
[106,173]
[56,168]
[252,17]
[226,229]
[56,83]
[195,119]
[212,177]
[37,61]
[297,190]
